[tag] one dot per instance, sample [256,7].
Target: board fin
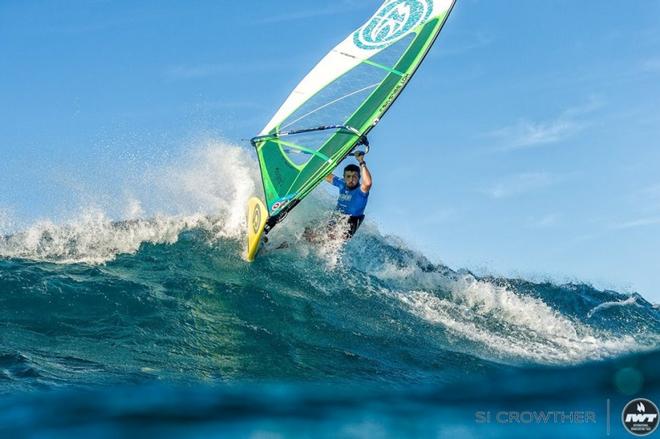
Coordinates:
[257,216]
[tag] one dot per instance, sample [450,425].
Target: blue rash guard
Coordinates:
[351,202]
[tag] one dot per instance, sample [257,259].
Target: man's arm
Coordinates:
[334,180]
[365,174]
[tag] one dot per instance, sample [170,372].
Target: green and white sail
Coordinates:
[343,98]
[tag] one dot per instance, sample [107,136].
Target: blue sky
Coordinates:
[528,143]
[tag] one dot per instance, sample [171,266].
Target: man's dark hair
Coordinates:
[354,168]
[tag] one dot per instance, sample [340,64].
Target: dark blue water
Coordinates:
[142,328]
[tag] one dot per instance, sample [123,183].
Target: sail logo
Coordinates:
[282,202]
[393,21]
[278,205]
[256,221]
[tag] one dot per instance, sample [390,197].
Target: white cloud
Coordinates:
[651,65]
[641,222]
[6,221]
[520,184]
[528,134]
[646,200]
[648,196]
[546,221]
[652,190]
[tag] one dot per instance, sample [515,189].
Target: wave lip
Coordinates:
[94,239]
[206,188]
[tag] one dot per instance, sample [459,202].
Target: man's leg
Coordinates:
[354,223]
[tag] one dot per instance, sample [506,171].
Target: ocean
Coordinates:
[158,327]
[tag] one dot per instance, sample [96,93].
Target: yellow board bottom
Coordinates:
[257,216]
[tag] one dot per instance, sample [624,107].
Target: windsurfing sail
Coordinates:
[336,105]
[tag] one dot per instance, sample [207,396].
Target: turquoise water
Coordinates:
[146,327]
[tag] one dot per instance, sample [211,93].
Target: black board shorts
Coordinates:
[354,223]
[348,226]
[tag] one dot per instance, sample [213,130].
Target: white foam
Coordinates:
[133,209]
[331,245]
[507,324]
[6,222]
[207,188]
[512,326]
[94,238]
[632,300]
[217,179]
[508,331]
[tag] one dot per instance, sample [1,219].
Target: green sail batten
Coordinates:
[304,149]
[380,66]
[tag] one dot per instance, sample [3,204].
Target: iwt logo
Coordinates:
[640,417]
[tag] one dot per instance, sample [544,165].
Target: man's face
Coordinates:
[352,179]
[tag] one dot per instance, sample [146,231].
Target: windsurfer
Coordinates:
[353,197]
